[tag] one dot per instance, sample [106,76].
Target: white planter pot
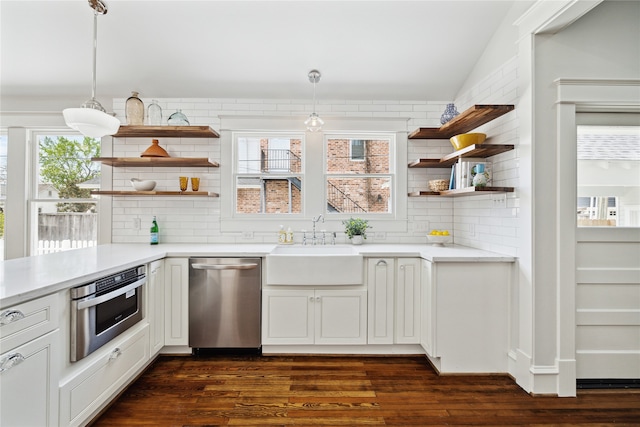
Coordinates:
[357,240]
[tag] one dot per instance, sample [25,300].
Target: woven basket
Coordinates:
[438,184]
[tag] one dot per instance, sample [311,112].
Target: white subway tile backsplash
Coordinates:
[475,221]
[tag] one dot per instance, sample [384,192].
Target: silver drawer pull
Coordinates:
[381,262]
[115,353]
[10,361]
[223,266]
[9,316]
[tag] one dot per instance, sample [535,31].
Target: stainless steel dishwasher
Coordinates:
[224,303]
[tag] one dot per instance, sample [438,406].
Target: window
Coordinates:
[359,174]
[608,171]
[357,149]
[3,188]
[64,215]
[268,174]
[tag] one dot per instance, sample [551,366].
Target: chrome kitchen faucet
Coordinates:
[315,219]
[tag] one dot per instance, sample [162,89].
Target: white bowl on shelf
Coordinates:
[437,240]
[143,184]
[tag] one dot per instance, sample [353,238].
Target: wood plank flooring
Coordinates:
[346,391]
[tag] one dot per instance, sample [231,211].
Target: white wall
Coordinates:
[198,220]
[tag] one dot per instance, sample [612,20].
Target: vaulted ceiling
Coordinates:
[245,49]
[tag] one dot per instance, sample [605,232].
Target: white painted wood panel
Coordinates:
[607,303]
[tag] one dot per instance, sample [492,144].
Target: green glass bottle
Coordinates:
[154,231]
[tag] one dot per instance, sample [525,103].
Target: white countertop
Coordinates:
[27,278]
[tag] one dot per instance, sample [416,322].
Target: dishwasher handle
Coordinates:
[198,266]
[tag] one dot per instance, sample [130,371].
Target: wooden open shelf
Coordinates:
[476,150]
[470,119]
[166,131]
[156,161]
[155,193]
[467,191]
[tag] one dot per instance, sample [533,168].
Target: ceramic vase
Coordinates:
[357,240]
[480,179]
[449,113]
[134,110]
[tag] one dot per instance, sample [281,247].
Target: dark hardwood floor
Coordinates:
[347,391]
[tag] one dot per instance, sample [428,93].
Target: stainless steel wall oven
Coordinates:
[103,309]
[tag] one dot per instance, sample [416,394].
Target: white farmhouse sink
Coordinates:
[318,265]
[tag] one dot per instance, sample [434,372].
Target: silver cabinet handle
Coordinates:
[115,353]
[224,266]
[10,361]
[90,302]
[9,316]
[381,262]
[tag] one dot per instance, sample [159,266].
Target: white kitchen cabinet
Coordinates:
[466,315]
[176,298]
[381,286]
[394,300]
[100,376]
[314,316]
[155,306]
[28,366]
[407,298]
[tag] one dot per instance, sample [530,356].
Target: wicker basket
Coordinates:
[438,184]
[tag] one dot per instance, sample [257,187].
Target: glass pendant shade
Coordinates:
[91,122]
[314,123]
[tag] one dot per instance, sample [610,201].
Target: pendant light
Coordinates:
[314,122]
[91,118]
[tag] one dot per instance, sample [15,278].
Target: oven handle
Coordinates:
[91,302]
[224,266]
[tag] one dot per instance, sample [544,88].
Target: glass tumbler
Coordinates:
[195,184]
[183,183]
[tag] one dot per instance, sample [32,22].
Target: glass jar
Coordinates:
[178,119]
[154,114]
[134,110]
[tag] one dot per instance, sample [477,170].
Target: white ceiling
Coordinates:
[384,50]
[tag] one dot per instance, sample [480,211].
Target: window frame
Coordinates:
[391,174]
[255,227]
[237,174]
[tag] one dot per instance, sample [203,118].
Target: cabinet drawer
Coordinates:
[29,385]
[24,322]
[90,389]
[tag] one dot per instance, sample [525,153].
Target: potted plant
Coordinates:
[355,229]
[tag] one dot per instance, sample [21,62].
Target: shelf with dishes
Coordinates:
[471,118]
[154,193]
[141,131]
[157,161]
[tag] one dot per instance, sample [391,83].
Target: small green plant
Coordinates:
[356,227]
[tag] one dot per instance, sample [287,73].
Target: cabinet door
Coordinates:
[380,285]
[407,330]
[340,316]
[287,316]
[155,305]
[176,297]
[427,310]
[29,383]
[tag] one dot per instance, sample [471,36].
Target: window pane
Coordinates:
[268,155]
[65,173]
[353,195]
[268,195]
[357,156]
[608,176]
[3,189]
[60,231]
